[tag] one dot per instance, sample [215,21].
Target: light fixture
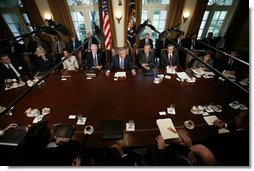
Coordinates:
[47,16]
[119,16]
[186,15]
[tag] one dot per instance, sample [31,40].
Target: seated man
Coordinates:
[185,154]
[170,58]
[231,67]
[146,58]
[9,69]
[34,149]
[95,58]
[121,62]
[231,149]
[71,63]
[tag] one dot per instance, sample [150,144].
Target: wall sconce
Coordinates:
[47,16]
[186,15]
[118,17]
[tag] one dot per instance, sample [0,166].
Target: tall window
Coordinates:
[156,11]
[84,13]
[217,14]
[15,17]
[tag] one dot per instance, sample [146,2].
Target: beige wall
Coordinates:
[189,6]
[44,8]
[119,27]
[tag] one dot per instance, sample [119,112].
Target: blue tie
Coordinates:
[122,64]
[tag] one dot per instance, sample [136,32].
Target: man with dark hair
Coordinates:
[33,150]
[9,69]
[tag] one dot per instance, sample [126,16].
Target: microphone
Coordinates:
[99,33]
[58,27]
[141,28]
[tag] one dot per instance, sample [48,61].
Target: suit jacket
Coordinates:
[72,47]
[159,44]
[5,73]
[62,45]
[143,42]
[44,66]
[143,59]
[100,57]
[94,41]
[230,149]
[165,61]
[115,63]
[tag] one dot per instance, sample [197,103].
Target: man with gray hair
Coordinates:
[122,61]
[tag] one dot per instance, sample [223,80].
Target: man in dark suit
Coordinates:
[95,58]
[209,40]
[9,69]
[89,41]
[190,42]
[145,41]
[180,154]
[121,62]
[170,58]
[146,58]
[231,148]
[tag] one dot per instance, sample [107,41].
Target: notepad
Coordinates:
[167,128]
[210,119]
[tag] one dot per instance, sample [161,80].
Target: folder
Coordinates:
[112,129]
[13,137]
[64,131]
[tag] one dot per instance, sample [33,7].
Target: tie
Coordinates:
[58,47]
[147,57]
[13,74]
[230,64]
[89,44]
[95,61]
[122,64]
[193,44]
[170,59]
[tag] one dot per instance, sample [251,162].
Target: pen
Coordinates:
[172,130]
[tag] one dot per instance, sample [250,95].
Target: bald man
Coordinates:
[184,154]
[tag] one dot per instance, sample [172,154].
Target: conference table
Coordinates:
[135,98]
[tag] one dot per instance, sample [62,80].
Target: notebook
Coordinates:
[148,72]
[167,128]
[112,129]
[13,137]
[64,131]
[92,72]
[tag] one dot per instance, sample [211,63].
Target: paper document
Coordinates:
[171,71]
[182,75]
[210,119]
[120,74]
[167,128]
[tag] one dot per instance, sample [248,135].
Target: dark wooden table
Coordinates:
[136,98]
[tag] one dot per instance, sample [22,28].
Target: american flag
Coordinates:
[106,24]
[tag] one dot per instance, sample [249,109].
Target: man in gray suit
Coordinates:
[170,58]
[146,58]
